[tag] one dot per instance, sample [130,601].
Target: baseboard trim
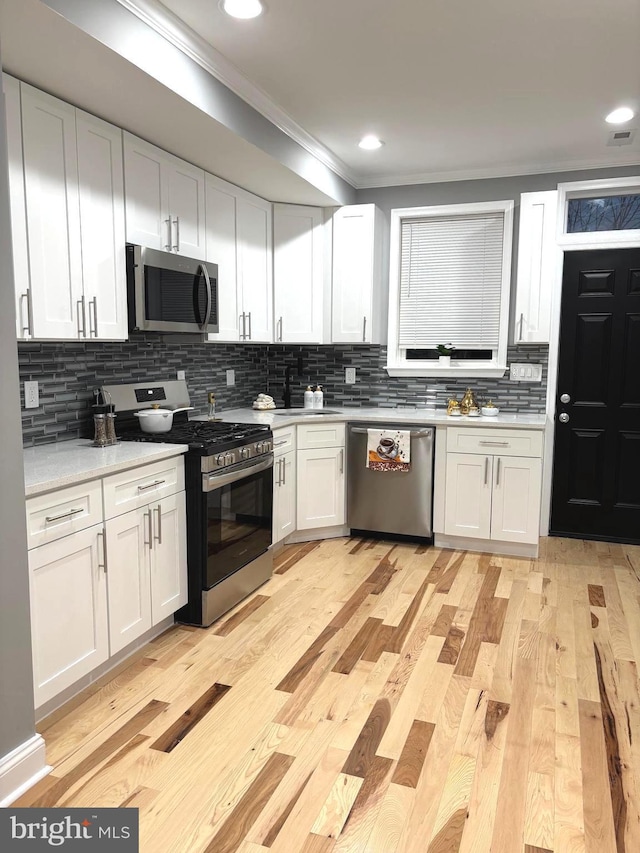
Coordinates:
[21,769]
[485,546]
[318,533]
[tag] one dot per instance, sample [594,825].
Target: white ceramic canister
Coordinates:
[308,398]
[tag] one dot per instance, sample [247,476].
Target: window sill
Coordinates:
[477,371]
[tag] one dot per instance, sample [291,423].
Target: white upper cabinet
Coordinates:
[101,185]
[165,200]
[17,204]
[537,266]
[255,266]
[298,273]
[221,250]
[53,216]
[69,241]
[358,314]
[239,235]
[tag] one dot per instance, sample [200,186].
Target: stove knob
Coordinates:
[245,453]
[229,458]
[220,460]
[260,447]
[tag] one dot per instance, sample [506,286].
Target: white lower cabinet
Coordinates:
[284,496]
[321,487]
[70,634]
[97,587]
[493,496]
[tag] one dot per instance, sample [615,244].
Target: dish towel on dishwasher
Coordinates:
[388,450]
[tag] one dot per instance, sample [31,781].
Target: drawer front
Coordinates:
[320,435]
[503,442]
[284,440]
[65,511]
[140,486]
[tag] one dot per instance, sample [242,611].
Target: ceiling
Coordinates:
[455,89]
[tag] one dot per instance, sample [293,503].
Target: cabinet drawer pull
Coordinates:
[68,514]
[151,485]
[280,443]
[494,443]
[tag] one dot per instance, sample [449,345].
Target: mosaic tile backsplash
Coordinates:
[68,373]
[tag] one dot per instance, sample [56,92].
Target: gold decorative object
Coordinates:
[467,402]
[453,407]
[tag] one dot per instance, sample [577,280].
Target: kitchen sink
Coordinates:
[305,413]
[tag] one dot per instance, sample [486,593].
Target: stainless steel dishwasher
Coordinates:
[397,502]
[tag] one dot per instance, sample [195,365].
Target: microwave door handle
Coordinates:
[207,281]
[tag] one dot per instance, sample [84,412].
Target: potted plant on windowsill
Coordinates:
[444,353]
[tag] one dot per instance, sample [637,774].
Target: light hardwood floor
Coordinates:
[374,698]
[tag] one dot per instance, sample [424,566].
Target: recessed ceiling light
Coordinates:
[620,115]
[370,142]
[242,8]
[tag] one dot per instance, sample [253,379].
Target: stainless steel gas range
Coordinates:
[229,493]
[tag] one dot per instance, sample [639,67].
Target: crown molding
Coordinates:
[365,182]
[175,31]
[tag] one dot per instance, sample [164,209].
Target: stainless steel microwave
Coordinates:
[171,293]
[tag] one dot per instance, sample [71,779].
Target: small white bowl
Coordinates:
[489,412]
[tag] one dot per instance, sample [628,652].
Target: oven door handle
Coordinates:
[211,482]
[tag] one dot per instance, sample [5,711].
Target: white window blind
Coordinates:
[451,281]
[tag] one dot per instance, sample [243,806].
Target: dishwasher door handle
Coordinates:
[422,434]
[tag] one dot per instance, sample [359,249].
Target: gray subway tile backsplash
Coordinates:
[69,371]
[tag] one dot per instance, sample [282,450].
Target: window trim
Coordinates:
[399,366]
[594,239]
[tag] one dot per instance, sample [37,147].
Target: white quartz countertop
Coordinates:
[53,466]
[424,417]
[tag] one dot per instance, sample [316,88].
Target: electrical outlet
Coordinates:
[31,395]
[350,376]
[181,374]
[231,377]
[527,372]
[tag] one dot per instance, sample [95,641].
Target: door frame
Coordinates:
[567,243]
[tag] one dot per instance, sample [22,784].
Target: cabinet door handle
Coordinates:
[62,515]
[486,469]
[241,326]
[249,316]
[176,245]
[280,329]
[167,245]
[26,295]
[342,461]
[498,472]
[103,548]
[149,519]
[151,485]
[364,329]
[93,330]
[284,471]
[521,326]
[158,509]
[81,318]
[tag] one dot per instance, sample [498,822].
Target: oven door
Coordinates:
[239,511]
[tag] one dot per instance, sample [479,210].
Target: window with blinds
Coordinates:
[449,283]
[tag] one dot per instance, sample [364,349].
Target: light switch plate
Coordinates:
[350,376]
[31,395]
[231,377]
[526,372]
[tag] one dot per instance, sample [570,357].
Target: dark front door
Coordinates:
[596,476]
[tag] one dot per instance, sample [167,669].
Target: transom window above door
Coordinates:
[599,214]
[449,285]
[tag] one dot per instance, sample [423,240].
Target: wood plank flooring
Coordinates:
[373,698]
